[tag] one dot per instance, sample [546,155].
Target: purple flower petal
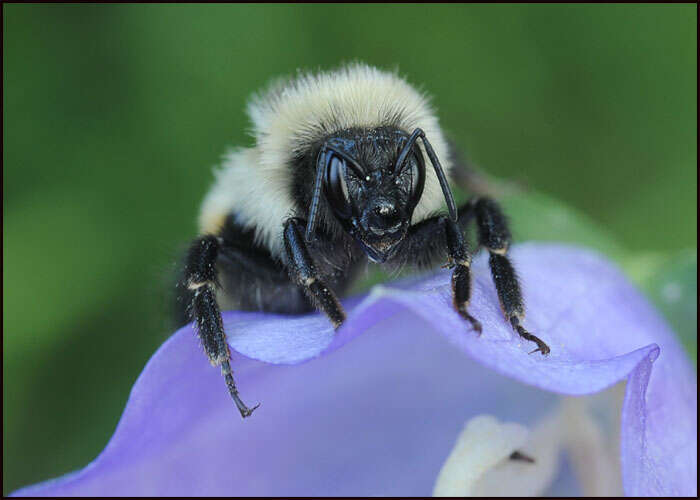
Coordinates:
[378,413]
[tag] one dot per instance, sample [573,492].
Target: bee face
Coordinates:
[368,194]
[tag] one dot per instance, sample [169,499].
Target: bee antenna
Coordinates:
[451,207]
[321,165]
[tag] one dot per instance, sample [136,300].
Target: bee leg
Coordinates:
[425,245]
[302,271]
[201,279]
[495,236]
[519,455]
[459,256]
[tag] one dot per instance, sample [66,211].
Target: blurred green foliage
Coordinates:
[115,114]
[671,281]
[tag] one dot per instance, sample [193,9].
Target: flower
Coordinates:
[406,400]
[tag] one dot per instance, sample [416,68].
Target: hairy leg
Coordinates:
[303,272]
[494,235]
[200,278]
[426,242]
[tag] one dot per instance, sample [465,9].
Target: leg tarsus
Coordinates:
[541,346]
[233,390]
[476,324]
[461,291]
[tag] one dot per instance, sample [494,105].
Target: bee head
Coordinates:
[372,181]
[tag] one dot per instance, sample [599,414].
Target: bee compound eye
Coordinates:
[337,187]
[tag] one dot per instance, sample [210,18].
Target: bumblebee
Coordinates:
[348,166]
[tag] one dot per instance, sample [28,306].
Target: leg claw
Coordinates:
[541,346]
[247,412]
[519,455]
[544,349]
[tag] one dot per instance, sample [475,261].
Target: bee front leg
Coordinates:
[302,271]
[459,256]
[425,245]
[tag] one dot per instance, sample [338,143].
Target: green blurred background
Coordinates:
[115,115]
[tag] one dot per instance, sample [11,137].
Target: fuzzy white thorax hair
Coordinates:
[255,183]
